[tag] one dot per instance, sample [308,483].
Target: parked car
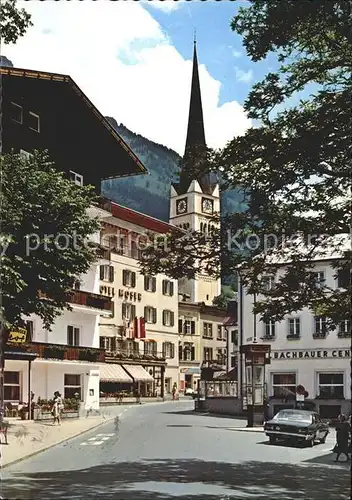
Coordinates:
[297,426]
[190,392]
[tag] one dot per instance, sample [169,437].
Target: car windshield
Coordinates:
[293,415]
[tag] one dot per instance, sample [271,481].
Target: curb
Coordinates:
[248,430]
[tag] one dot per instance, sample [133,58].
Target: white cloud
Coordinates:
[244,76]
[165,5]
[120,57]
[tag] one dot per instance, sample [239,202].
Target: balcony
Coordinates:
[92,300]
[66,353]
[135,356]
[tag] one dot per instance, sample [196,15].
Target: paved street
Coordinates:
[166,451]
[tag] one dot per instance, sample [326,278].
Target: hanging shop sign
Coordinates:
[18,336]
[128,295]
[312,354]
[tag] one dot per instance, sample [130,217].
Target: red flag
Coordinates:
[142,328]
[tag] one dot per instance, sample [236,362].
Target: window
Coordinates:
[76,178]
[208,330]
[128,278]
[186,352]
[268,283]
[16,113]
[319,278]
[284,384]
[73,335]
[168,318]
[107,273]
[187,327]
[208,353]
[150,314]
[219,335]
[345,328]
[319,326]
[108,343]
[34,121]
[128,311]
[221,356]
[294,327]
[149,284]
[150,347]
[234,337]
[72,386]
[344,278]
[12,388]
[233,361]
[331,385]
[77,285]
[269,329]
[30,330]
[168,350]
[168,288]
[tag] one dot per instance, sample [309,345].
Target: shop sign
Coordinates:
[17,337]
[312,354]
[126,294]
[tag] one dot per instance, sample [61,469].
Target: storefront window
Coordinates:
[284,384]
[12,386]
[73,385]
[331,385]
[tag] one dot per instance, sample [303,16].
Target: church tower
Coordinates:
[195,200]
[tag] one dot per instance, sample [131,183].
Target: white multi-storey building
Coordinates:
[304,352]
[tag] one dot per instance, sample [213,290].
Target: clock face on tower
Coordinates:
[181,206]
[207,206]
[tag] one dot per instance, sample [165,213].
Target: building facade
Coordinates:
[143,331]
[304,352]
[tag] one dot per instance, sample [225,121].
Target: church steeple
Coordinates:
[195,139]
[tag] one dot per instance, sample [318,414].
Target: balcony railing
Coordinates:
[134,355]
[88,299]
[66,353]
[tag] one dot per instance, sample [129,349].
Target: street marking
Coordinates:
[98,442]
[110,435]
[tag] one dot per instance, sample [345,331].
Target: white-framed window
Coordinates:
[208,330]
[221,355]
[294,327]
[186,327]
[128,311]
[344,278]
[151,348]
[16,113]
[107,343]
[73,386]
[186,352]
[345,328]
[208,353]
[234,337]
[168,287]
[268,283]
[76,178]
[168,318]
[320,325]
[30,330]
[269,328]
[283,384]
[150,314]
[128,278]
[34,121]
[73,335]
[12,386]
[149,284]
[107,273]
[319,278]
[168,350]
[331,385]
[219,334]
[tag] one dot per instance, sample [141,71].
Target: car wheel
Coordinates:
[311,442]
[272,439]
[322,441]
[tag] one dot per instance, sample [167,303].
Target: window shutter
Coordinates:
[164,349]
[193,327]
[111,274]
[145,313]
[180,352]
[164,318]
[102,342]
[133,281]
[153,284]
[69,335]
[145,283]
[172,354]
[101,272]
[164,287]
[172,319]
[124,277]
[180,326]
[123,310]
[76,339]
[154,315]
[171,288]
[133,308]
[298,326]
[193,355]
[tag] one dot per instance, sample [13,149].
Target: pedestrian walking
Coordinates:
[57,408]
[138,397]
[174,389]
[343,433]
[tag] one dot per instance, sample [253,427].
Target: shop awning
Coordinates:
[138,373]
[114,373]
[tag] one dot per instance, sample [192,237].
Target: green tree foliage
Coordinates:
[45,230]
[13,22]
[294,168]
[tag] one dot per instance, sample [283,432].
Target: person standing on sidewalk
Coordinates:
[343,431]
[57,408]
